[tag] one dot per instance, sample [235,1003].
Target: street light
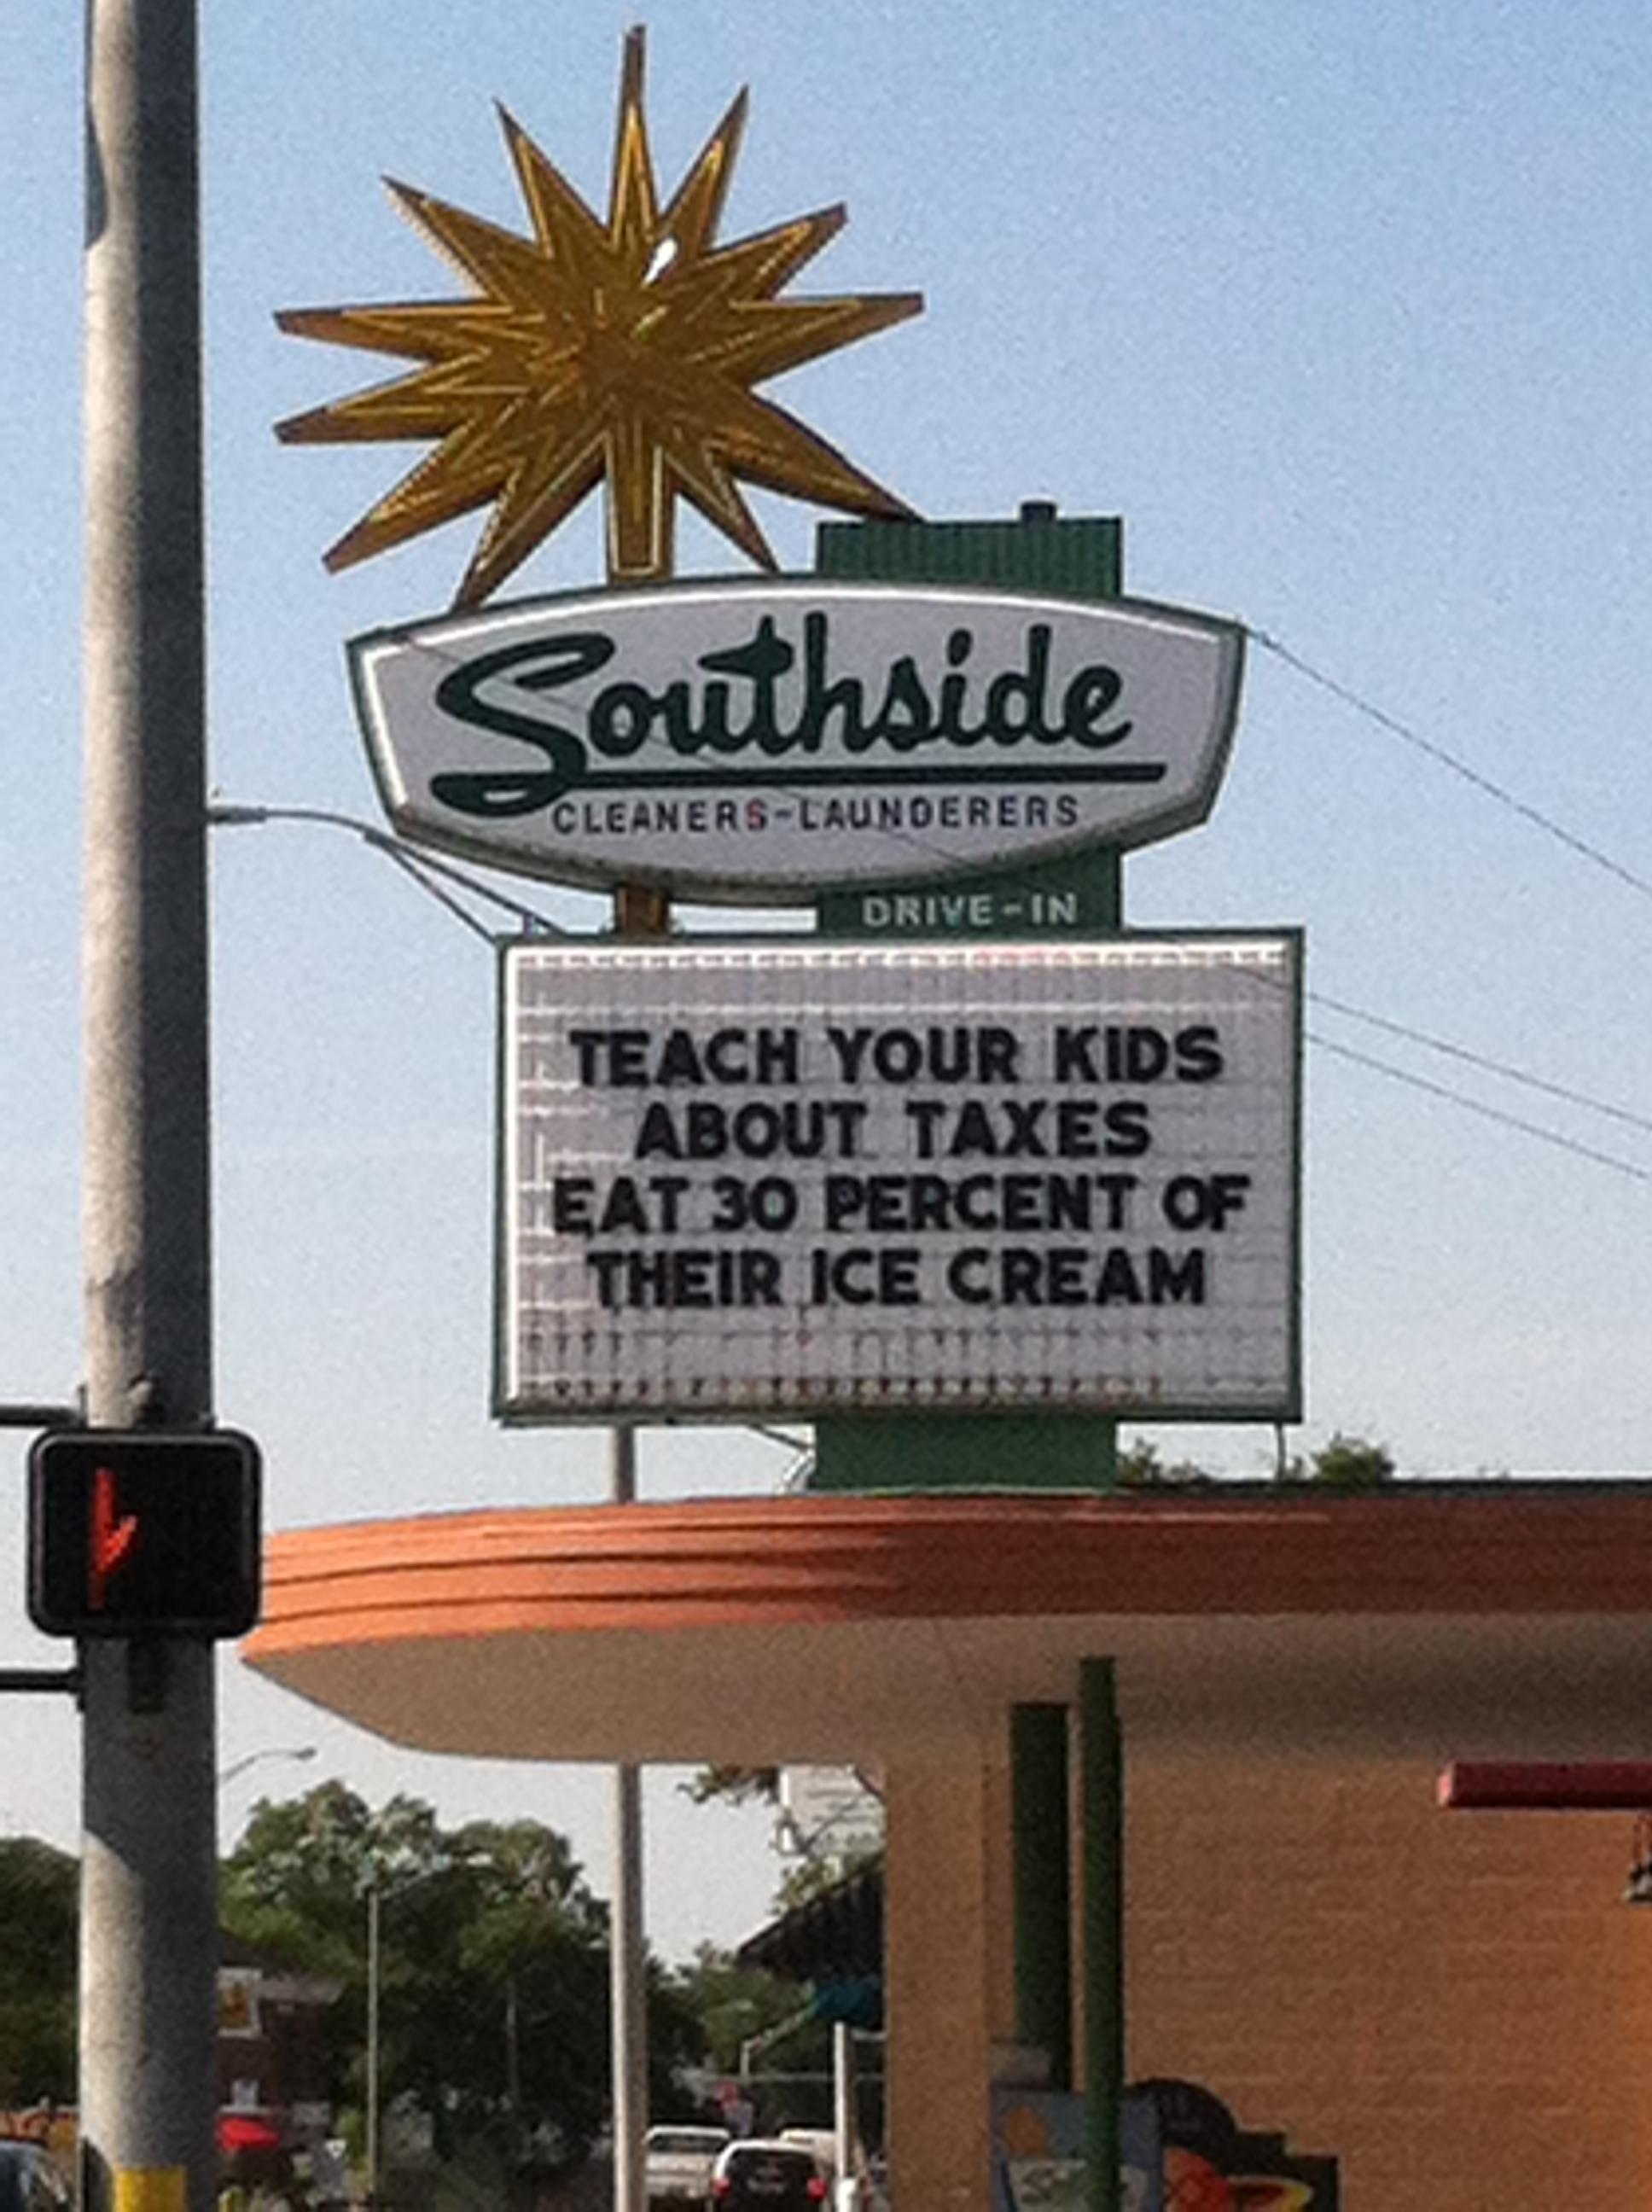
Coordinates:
[250,1759]
[375,1884]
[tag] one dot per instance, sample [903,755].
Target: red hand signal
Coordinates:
[110,1538]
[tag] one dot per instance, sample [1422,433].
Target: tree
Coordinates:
[748,2014]
[733,2004]
[1139,1468]
[733,1785]
[1345,1463]
[40,1906]
[494,1961]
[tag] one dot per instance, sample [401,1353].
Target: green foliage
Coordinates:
[736,2005]
[493,1977]
[39,1911]
[1139,1468]
[1345,1463]
[734,1785]
[818,1877]
[494,2009]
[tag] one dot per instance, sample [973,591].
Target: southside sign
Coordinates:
[759,741]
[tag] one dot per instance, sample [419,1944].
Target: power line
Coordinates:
[1477,1106]
[1412,1035]
[1481,1061]
[426,868]
[1438,753]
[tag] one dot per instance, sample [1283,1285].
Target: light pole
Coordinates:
[627,1984]
[375,1887]
[370,2145]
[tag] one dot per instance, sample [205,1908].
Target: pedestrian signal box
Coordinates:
[143,1533]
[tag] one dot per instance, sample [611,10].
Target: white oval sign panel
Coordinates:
[758,742]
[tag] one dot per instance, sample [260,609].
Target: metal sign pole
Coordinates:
[148,1919]
[628,1947]
[640,912]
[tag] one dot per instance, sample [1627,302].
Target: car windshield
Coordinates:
[693,2141]
[787,2165]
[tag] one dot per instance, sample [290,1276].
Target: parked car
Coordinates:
[770,2175]
[30,2180]
[863,2190]
[678,2162]
[821,2143]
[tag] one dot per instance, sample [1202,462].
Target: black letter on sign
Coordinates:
[519,791]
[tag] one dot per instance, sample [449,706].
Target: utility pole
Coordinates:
[148,1919]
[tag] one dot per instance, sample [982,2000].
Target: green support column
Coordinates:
[1102,1800]
[1080,557]
[1041,1832]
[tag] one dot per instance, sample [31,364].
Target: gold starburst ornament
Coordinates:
[622,352]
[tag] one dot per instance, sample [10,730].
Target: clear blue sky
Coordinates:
[1344,310]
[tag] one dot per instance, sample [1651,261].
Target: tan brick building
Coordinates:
[1457,2006]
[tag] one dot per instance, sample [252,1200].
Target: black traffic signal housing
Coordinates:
[143,1532]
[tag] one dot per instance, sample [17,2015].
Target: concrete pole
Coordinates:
[148,1918]
[628,1967]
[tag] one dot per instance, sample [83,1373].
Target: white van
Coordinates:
[677,2163]
[821,2143]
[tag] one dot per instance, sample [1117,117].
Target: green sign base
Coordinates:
[964,1451]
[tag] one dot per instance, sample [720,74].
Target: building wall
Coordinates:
[1459,2005]
[941,1926]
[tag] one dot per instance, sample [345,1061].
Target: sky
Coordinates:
[1343,310]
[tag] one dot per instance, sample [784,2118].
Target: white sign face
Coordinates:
[757,742]
[793,1178]
[830,1811]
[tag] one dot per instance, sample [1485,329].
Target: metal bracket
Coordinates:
[67,1680]
[26,1416]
